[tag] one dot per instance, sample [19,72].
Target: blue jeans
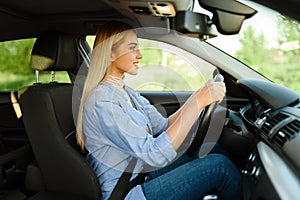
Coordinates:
[193,178]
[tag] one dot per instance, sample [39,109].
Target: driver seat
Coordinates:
[48,119]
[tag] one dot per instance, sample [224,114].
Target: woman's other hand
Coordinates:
[211,92]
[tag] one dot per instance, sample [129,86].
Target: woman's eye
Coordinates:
[133,48]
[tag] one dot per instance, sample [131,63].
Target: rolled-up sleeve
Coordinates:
[158,122]
[126,135]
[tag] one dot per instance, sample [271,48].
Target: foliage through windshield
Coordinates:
[268,43]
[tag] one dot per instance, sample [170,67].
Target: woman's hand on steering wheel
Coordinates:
[209,95]
[211,92]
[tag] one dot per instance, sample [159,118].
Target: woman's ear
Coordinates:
[112,56]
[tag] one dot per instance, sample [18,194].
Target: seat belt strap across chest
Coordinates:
[124,185]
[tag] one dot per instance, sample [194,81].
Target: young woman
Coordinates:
[116,124]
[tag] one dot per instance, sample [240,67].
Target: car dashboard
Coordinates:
[273,115]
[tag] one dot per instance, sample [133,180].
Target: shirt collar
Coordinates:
[115,81]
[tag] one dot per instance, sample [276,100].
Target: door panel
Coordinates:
[167,102]
[171,101]
[12,131]
[236,145]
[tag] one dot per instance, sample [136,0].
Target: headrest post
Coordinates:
[52,76]
[37,76]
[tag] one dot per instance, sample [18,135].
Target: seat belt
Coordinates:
[124,185]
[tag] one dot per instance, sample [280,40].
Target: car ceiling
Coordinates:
[28,18]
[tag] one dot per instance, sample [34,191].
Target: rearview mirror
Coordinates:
[194,25]
[228,15]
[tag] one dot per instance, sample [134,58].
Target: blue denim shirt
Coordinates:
[115,132]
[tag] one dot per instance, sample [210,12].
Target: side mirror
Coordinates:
[228,15]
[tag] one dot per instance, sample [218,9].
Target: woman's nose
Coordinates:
[138,54]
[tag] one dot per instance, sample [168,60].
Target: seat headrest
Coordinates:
[55,51]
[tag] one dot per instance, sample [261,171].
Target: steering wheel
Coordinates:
[205,119]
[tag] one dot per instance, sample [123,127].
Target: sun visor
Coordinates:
[228,15]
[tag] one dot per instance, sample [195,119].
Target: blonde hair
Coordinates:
[109,36]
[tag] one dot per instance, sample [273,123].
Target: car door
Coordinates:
[14,74]
[168,75]
[12,131]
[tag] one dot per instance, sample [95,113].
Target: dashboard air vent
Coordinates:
[287,132]
[271,122]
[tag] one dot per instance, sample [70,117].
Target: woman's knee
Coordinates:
[224,167]
[222,160]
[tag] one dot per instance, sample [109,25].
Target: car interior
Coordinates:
[39,156]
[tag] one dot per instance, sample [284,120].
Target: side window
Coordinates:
[165,67]
[15,70]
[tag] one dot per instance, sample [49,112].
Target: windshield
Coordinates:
[268,43]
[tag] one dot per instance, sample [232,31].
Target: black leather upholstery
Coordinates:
[48,119]
[54,52]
